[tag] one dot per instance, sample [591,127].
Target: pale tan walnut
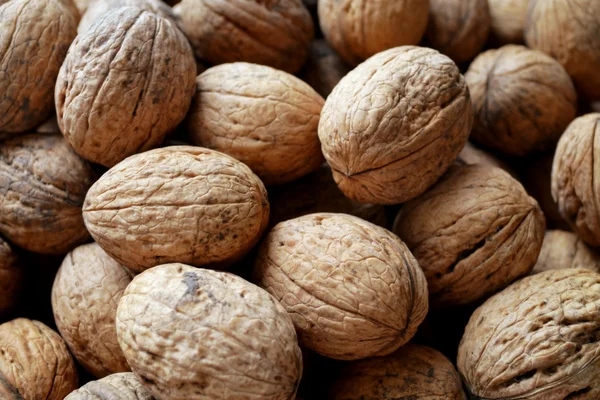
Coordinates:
[177,204]
[324,68]
[11,278]
[122,386]
[413,372]
[475,232]
[393,125]
[538,340]
[98,8]
[568,32]
[34,38]
[264,117]
[471,154]
[193,333]
[85,296]
[276,33]
[42,188]
[508,20]
[565,250]
[458,28]
[523,100]
[34,362]
[575,183]
[82,5]
[352,288]
[125,83]
[358,29]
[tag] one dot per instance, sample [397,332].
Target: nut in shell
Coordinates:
[563,249]
[508,20]
[122,386]
[100,7]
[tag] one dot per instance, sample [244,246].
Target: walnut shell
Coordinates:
[34,362]
[200,334]
[82,5]
[458,28]
[473,155]
[126,82]
[508,20]
[568,32]
[523,100]
[42,188]
[358,29]
[85,296]
[393,125]
[34,38]
[177,204]
[565,250]
[537,340]
[324,68]
[352,288]
[264,117]
[11,277]
[123,386]
[412,372]
[50,126]
[276,33]
[100,7]
[473,233]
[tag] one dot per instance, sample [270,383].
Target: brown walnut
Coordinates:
[324,68]
[565,250]
[471,154]
[123,386]
[11,277]
[508,20]
[98,8]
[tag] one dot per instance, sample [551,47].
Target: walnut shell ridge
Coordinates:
[122,386]
[393,125]
[100,7]
[508,20]
[11,277]
[563,249]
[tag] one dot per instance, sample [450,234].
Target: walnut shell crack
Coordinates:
[100,7]
[565,250]
[122,386]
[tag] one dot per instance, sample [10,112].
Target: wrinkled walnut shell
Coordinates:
[193,333]
[473,233]
[100,7]
[537,340]
[565,250]
[11,277]
[508,20]
[177,204]
[123,386]
[324,68]
[264,117]
[352,288]
[393,125]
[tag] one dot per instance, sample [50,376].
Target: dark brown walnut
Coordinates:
[98,8]
[276,33]
[523,100]
[126,82]
[473,155]
[568,32]
[42,188]
[177,204]
[413,372]
[193,333]
[34,362]
[123,386]
[11,278]
[34,38]
[324,68]
[539,339]
[508,20]
[264,117]
[563,249]
[352,288]
[473,233]
[358,29]
[393,125]
[575,183]
[85,296]
[458,28]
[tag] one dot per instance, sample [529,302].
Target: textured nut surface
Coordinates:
[125,83]
[34,362]
[538,339]
[565,250]
[34,38]
[123,386]
[458,28]
[508,20]
[324,68]
[100,7]
[473,233]
[358,29]
[264,117]
[177,204]
[85,296]
[200,334]
[42,188]
[473,155]
[393,125]
[413,372]
[270,32]
[352,288]
[523,100]
[11,277]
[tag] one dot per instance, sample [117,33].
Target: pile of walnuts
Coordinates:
[299,199]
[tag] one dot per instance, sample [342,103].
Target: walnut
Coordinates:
[99,8]
[358,29]
[276,33]
[11,278]
[126,82]
[565,250]
[82,5]
[85,295]
[193,333]
[50,126]
[34,38]
[523,100]
[177,204]
[568,31]
[42,188]
[412,372]
[34,362]
[508,20]
[393,125]
[324,68]
[473,155]
[264,117]
[473,233]
[537,340]
[325,269]
[123,386]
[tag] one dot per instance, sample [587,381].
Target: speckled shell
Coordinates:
[324,68]
[565,250]
[508,20]
[100,7]
[123,386]
[11,277]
